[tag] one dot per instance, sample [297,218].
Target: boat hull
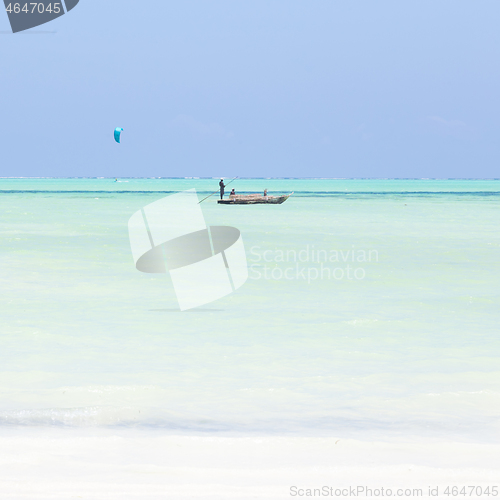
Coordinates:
[255,200]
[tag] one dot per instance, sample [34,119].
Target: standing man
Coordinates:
[222,186]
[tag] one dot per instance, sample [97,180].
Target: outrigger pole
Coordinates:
[217,191]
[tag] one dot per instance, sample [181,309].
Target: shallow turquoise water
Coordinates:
[408,345]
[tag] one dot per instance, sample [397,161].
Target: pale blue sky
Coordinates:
[255,88]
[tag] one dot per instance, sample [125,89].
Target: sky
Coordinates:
[275,88]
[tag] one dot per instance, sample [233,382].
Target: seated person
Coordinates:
[232,193]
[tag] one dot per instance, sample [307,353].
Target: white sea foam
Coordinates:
[89,416]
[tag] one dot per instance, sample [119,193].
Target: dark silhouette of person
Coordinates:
[222,186]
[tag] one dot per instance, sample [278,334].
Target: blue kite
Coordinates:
[118,133]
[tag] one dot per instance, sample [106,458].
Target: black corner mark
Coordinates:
[26,14]
[70,4]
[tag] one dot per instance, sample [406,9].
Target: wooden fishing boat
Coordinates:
[254,199]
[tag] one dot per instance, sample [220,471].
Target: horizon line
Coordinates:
[270,178]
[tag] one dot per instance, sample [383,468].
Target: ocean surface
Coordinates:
[372,311]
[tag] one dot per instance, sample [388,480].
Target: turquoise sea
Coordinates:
[372,311]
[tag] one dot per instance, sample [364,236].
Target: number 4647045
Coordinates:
[32,8]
